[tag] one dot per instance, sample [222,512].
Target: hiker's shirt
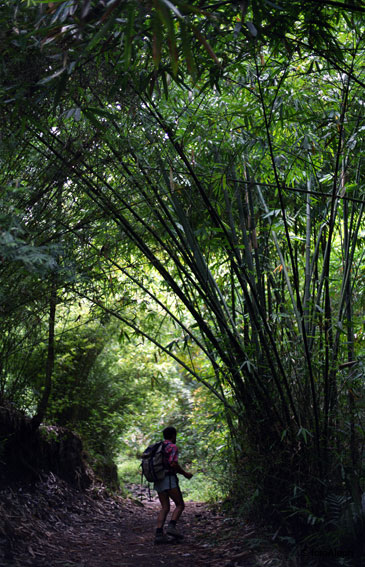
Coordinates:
[171,456]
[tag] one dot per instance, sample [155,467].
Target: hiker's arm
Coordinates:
[177,469]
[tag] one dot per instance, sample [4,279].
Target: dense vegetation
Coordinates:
[182,242]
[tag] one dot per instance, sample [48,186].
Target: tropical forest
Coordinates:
[182,244]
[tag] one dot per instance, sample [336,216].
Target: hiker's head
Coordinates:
[169,433]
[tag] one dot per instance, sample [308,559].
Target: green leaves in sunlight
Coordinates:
[180,38]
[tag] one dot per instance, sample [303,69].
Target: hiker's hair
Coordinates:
[169,432]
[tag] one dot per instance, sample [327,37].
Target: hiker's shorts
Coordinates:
[170,481]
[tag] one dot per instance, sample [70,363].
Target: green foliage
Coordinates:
[204,487]
[129,470]
[338,534]
[202,170]
[202,434]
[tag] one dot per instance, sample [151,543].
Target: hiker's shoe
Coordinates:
[172,531]
[161,538]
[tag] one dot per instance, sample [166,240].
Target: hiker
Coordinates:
[169,488]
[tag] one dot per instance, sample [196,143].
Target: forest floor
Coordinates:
[54,525]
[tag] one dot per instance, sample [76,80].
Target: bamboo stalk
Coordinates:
[307,259]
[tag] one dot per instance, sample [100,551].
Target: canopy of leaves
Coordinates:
[209,157]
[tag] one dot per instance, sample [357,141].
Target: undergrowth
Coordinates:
[200,488]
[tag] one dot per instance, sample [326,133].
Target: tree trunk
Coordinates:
[42,406]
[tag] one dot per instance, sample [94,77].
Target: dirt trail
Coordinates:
[55,526]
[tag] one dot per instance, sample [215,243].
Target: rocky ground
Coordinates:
[54,525]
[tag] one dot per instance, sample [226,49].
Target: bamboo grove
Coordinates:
[212,158]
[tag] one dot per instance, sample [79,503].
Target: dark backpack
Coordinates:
[153,462]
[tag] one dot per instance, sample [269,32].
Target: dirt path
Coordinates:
[125,539]
[54,526]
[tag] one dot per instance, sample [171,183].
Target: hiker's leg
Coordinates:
[177,497]
[165,508]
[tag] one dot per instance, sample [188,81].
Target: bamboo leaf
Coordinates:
[60,89]
[131,13]
[166,18]
[156,40]
[46,80]
[173,8]
[101,112]
[186,47]
[252,29]
[101,33]
[90,115]
[205,44]
[165,85]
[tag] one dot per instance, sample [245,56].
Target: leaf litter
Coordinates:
[51,524]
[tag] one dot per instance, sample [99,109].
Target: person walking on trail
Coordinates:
[169,488]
